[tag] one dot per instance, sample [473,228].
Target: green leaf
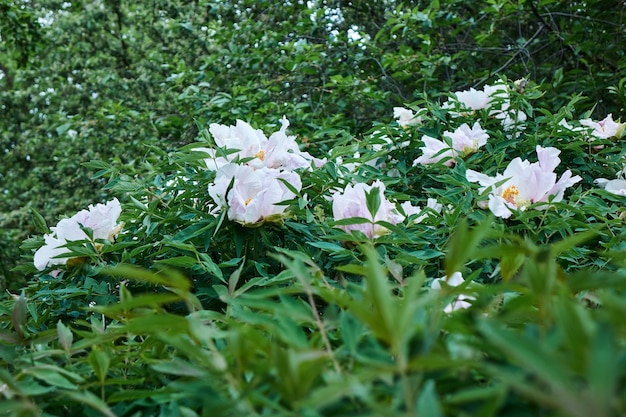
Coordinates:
[179,261]
[53,375]
[233,280]
[168,278]
[574,240]
[65,336]
[372,200]
[90,400]
[39,222]
[99,361]
[603,365]
[464,243]
[19,315]
[427,402]
[531,355]
[63,128]
[143,300]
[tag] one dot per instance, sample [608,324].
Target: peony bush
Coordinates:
[465,257]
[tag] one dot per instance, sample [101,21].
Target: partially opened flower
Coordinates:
[463,141]
[253,195]
[605,128]
[101,219]
[523,183]
[352,203]
[406,117]
[462,300]
[472,100]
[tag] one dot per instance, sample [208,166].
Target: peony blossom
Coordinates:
[563,125]
[461,301]
[352,202]
[243,143]
[409,210]
[101,219]
[473,100]
[524,183]
[283,152]
[616,186]
[463,141]
[605,128]
[253,195]
[512,119]
[406,117]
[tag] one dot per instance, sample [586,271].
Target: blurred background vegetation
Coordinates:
[112,79]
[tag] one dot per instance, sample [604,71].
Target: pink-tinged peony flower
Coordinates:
[101,219]
[406,117]
[351,203]
[605,128]
[461,301]
[524,183]
[464,141]
[253,195]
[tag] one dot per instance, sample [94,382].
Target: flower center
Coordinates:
[510,194]
[468,150]
[247,201]
[260,154]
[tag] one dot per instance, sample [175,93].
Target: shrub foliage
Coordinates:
[191,310]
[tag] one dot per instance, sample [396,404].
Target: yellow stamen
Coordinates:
[260,154]
[510,194]
[247,201]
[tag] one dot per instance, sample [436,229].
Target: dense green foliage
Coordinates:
[189,313]
[107,80]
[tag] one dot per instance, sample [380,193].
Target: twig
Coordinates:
[508,62]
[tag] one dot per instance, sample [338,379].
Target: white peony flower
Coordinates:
[253,195]
[616,186]
[461,301]
[409,210]
[101,219]
[464,141]
[243,143]
[406,117]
